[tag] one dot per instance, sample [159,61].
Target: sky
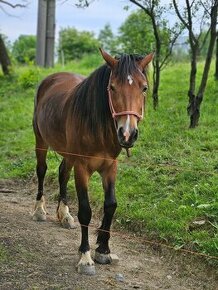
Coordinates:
[93,18]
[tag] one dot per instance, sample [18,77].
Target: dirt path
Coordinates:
[44,255]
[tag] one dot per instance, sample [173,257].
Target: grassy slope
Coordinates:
[170,181]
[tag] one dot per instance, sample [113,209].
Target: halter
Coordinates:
[123,113]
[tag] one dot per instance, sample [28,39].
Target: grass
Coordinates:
[171,181]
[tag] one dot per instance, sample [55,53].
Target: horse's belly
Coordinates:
[51,125]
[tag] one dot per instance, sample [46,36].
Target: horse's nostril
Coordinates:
[127,138]
[120,132]
[134,135]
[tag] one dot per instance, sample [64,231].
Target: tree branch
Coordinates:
[172,43]
[141,6]
[205,38]
[179,15]
[18,5]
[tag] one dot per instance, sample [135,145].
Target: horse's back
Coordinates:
[51,105]
[63,80]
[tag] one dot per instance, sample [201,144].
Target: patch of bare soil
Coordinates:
[43,255]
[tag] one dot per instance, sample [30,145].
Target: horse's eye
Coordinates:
[112,87]
[144,89]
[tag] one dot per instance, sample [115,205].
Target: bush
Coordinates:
[29,78]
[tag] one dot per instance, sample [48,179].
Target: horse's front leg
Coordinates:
[86,264]
[102,253]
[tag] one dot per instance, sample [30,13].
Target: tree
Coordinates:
[107,39]
[73,44]
[188,14]
[164,36]
[4,57]
[136,33]
[24,48]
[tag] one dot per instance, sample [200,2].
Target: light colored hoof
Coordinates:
[64,216]
[86,265]
[86,269]
[39,211]
[102,258]
[39,215]
[68,222]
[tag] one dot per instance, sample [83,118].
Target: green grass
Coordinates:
[171,179]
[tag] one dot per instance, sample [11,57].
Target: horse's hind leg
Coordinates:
[63,214]
[102,253]
[41,167]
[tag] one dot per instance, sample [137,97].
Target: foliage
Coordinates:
[169,182]
[204,40]
[136,34]
[91,60]
[73,44]
[29,77]
[107,39]
[24,48]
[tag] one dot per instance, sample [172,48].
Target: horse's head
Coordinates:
[126,91]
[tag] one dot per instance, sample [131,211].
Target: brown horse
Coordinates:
[88,121]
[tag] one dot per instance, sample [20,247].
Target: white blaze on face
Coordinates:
[130,79]
[127,122]
[127,128]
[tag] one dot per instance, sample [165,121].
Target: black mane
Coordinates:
[89,100]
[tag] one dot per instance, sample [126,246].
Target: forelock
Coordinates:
[126,66]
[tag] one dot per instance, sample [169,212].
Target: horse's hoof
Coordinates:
[39,215]
[86,265]
[102,258]
[86,269]
[68,222]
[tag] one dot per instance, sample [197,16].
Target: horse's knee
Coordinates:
[40,210]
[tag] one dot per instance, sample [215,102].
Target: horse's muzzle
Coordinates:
[127,139]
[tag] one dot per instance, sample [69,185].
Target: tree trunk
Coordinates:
[156,83]
[216,64]
[197,100]
[156,64]
[4,58]
[192,79]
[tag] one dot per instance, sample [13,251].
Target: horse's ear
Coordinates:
[146,60]
[108,58]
